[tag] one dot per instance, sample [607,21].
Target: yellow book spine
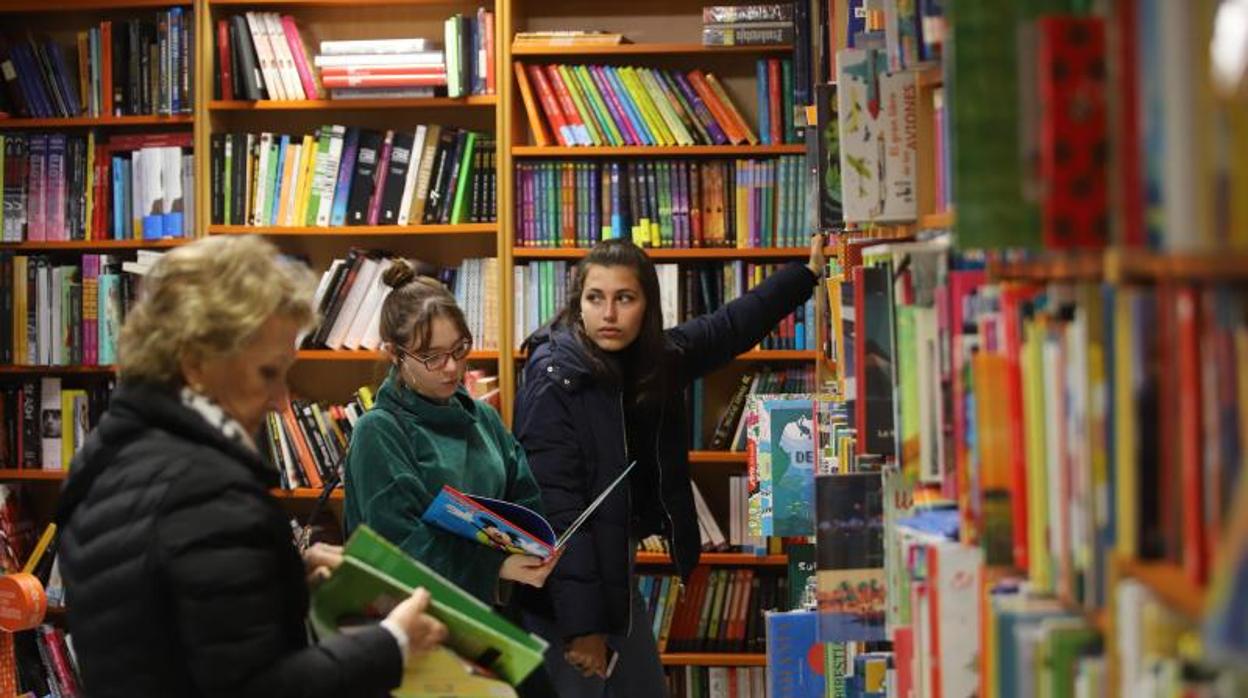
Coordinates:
[1124,426]
[1031,368]
[41,547]
[743,199]
[287,182]
[658,95]
[648,111]
[306,170]
[90,207]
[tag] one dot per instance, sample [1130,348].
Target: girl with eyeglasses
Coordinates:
[426,431]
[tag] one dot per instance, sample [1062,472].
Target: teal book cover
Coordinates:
[792,448]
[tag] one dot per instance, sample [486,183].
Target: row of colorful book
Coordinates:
[66,314]
[748,25]
[541,288]
[663,203]
[68,186]
[605,105]
[351,292]
[720,609]
[45,421]
[143,66]
[697,681]
[306,440]
[343,175]
[262,56]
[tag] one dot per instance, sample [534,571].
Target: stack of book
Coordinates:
[568,37]
[375,68]
[747,25]
[46,421]
[260,55]
[306,440]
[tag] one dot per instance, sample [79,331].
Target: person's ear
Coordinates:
[194,370]
[392,356]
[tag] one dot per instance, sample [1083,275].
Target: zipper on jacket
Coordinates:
[628,494]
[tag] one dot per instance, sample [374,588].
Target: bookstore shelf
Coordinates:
[356,230]
[931,76]
[778,355]
[348,104]
[713,659]
[718,457]
[646,558]
[93,245]
[656,49]
[367,355]
[1169,582]
[93,121]
[602,151]
[22,369]
[1128,265]
[1077,266]
[84,5]
[32,475]
[690,254]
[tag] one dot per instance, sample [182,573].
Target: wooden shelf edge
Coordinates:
[88,245]
[89,121]
[220,105]
[83,5]
[32,475]
[718,457]
[655,49]
[369,355]
[346,231]
[1169,583]
[693,253]
[713,659]
[646,558]
[24,369]
[537,151]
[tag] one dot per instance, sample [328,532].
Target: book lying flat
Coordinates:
[375,575]
[506,526]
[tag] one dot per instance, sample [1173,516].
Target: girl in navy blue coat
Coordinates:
[604,385]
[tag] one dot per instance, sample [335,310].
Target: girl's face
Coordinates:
[612,306]
[436,370]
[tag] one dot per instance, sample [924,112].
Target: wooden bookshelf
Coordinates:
[32,475]
[1170,583]
[653,151]
[943,219]
[1140,265]
[14,6]
[473,229]
[367,355]
[220,105]
[1073,266]
[661,253]
[693,51]
[94,245]
[646,558]
[778,355]
[98,121]
[23,370]
[713,659]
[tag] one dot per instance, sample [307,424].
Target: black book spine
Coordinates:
[217,148]
[365,178]
[396,177]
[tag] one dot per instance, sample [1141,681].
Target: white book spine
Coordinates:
[370,309]
[365,278]
[284,58]
[373,46]
[327,172]
[50,422]
[261,188]
[372,340]
[265,57]
[413,169]
[429,58]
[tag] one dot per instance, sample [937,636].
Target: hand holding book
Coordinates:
[528,569]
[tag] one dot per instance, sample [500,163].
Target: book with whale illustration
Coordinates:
[506,526]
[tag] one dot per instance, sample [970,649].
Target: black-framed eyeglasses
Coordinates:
[437,361]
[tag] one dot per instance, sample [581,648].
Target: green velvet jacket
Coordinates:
[405,449]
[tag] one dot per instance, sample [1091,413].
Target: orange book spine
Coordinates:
[731,108]
[541,136]
[735,135]
[559,126]
[295,435]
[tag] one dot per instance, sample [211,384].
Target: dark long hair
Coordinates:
[645,355]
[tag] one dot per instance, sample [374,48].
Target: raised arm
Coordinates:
[712,340]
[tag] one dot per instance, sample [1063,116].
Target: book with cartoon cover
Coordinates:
[506,526]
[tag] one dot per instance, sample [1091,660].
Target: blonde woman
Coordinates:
[181,575]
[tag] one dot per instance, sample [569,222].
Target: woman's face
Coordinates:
[252,381]
[612,306]
[434,371]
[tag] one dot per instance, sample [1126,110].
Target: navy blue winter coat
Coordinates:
[572,428]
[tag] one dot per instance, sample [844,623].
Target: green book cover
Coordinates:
[595,101]
[581,102]
[375,575]
[459,209]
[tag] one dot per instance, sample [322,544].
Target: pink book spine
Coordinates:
[383,164]
[295,42]
[36,186]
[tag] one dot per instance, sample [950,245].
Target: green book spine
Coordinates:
[459,210]
[582,106]
[595,100]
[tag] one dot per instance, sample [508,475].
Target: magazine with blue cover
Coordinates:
[506,526]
